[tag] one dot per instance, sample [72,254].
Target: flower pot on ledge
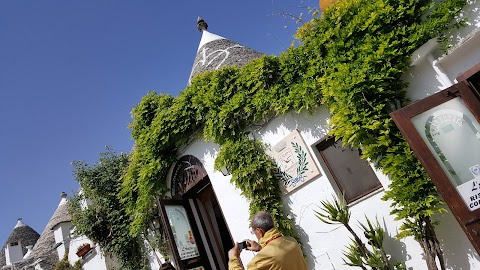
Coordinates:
[82,250]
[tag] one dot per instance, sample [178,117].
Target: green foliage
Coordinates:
[105,221]
[365,47]
[350,60]
[159,242]
[77,266]
[63,264]
[252,171]
[220,106]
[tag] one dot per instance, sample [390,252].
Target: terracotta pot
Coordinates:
[83,250]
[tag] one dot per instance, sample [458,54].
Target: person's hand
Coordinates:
[234,252]
[253,246]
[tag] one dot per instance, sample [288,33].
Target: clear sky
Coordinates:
[71,72]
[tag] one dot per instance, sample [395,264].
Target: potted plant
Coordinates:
[83,249]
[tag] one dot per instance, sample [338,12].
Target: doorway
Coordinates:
[191,189]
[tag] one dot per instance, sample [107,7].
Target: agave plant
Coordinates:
[335,212]
[353,255]
[373,233]
[356,253]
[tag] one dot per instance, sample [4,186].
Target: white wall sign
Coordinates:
[470,193]
[295,164]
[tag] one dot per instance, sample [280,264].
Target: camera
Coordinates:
[243,245]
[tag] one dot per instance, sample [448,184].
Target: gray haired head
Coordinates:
[262,220]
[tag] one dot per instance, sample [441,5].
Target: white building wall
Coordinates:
[62,237]
[424,81]
[94,260]
[324,243]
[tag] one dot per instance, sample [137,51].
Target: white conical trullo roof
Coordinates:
[215,52]
[44,249]
[21,234]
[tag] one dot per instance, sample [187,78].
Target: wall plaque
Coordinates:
[294,162]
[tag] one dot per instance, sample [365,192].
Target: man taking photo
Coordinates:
[275,251]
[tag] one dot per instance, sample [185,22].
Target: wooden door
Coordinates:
[184,238]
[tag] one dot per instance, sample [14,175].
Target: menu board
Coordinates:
[182,232]
[453,136]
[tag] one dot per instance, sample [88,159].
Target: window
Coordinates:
[472,76]
[353,175]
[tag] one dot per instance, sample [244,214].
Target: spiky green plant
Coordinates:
[337,212]
[334,212]
[356,253]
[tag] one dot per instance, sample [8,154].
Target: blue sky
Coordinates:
[71,72]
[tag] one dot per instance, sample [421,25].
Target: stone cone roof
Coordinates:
[24,234]
[215,52]
[44,249]
[61,215]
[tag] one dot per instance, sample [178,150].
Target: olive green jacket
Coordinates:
[278,253]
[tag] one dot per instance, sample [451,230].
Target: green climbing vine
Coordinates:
[105,220]
[349,60]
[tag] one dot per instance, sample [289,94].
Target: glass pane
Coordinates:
[475,82]
[182,232]
[452,134]
[354,175]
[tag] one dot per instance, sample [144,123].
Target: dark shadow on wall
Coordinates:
[306,248]
[457,249]
[394,247]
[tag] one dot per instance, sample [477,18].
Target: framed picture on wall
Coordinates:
[294,162]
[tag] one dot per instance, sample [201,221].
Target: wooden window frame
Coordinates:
[469,75]
[337,181]
[468,220]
